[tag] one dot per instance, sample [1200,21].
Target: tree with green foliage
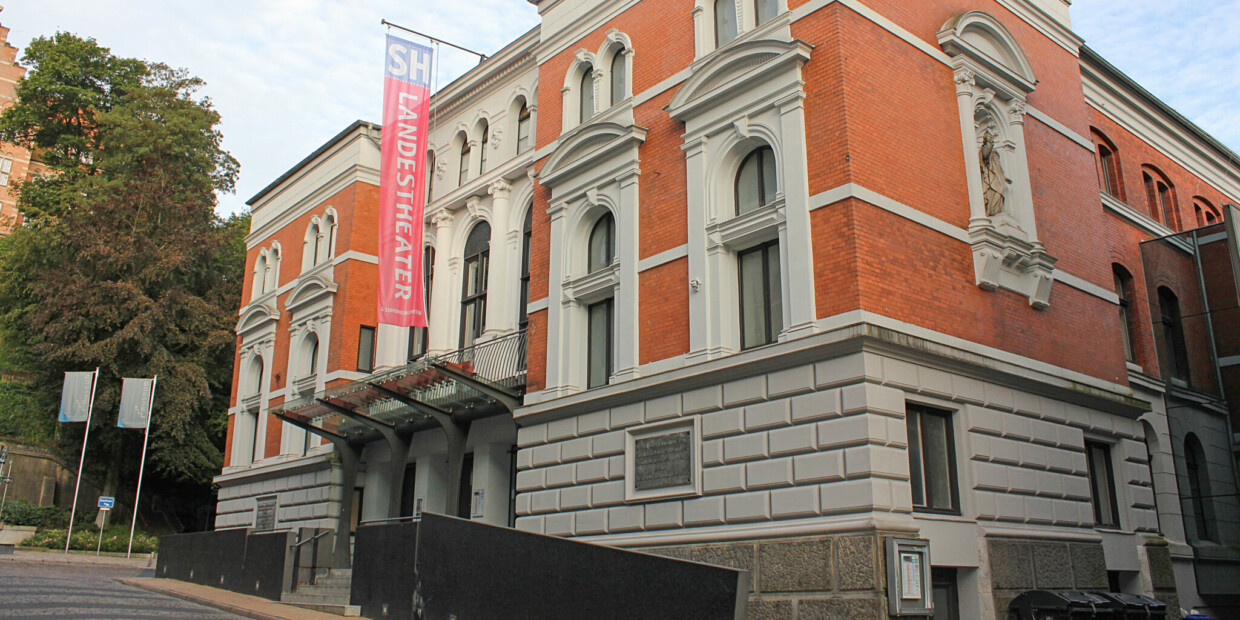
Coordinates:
[122,263]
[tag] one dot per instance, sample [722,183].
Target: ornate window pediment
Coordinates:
[310,291]
[740,68]
[982,42]
[257,318]
[584,151]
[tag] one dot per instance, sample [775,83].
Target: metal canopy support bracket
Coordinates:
[504,397]
[397,449]
[350,461]
[456,434]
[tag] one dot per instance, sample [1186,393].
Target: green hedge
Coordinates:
[18,512]
[115,538]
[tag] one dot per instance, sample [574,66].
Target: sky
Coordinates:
[287,75]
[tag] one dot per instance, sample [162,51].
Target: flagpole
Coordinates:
[81,462]
[133,520]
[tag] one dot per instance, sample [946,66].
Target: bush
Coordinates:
[18,512]
[115,539]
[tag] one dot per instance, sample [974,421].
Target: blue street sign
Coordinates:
[105,503]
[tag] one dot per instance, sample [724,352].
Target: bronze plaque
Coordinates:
[265,513]
[663,461]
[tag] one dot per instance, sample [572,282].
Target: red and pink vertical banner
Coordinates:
[402,182]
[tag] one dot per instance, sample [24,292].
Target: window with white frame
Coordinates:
[486,141]
[932,459]
[463,175]
[619,76]
[1102,484]
[586,97]
[525,127]
[312,247]
[474,287]
[725,22]
[602,249]
[419,339]
[6,168]
[746,163]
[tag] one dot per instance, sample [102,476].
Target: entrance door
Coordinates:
[465,500]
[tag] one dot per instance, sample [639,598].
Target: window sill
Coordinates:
[757,226]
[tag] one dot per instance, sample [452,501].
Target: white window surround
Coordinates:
[993,77]
[592,171]
[746,96]
[310,310]
[599,64]
[746,25]
[250,424]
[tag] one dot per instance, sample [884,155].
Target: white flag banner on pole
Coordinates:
[135,403]
[75,396]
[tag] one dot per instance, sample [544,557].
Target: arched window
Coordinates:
[464,174]
[587,93]
[486,139]
[725,22]
[602,243]
[755,181]
[765,10]
[1207,215]
[524,126]
[310,257]
[1110,176]
[1175,353]
[327,238]
[255,381]
[527,240]
[1161,196]
[259,282]
[311,363]
[618,85]
[418,338]
[272,279]
[1123,289]
[474,289]
[1198,487]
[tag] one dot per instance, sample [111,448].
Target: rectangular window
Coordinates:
[1102,484]
[6,168]
[762,307]
[366,349]
[932,460]
[600,344]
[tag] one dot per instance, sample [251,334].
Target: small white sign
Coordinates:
[910,576]
[479,497]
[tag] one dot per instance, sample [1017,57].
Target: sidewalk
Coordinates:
[138,561]
[231,602]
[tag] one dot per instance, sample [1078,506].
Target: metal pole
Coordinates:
[133,519]
[8,482]
[427,36]
[99,545]
[81,462]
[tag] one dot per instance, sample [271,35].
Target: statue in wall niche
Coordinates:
[994,180]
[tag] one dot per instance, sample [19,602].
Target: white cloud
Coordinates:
[1185,52]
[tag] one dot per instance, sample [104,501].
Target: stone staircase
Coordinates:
[329,593]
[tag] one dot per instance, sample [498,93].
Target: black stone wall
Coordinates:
[476,571]
[233,560]
[383,570]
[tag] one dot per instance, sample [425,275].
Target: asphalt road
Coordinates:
[72,591]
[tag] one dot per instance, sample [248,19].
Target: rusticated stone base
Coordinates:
[1019,565]
[841,577]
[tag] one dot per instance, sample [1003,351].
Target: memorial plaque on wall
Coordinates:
[663,461]
[265,513]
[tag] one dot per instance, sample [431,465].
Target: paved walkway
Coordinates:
[231,602]
[239,604]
